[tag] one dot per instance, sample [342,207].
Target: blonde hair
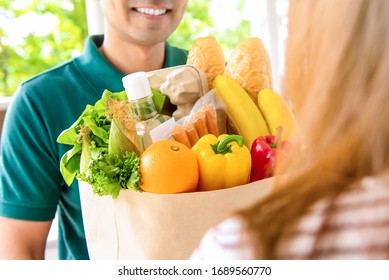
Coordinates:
[337,70]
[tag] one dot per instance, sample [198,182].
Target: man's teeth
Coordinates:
[154,12]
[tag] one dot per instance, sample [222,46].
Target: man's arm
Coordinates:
[20,239]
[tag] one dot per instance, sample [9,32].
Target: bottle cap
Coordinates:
[137,85]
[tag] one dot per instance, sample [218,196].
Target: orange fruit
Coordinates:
[168,166]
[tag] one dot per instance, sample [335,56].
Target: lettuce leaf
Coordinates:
[92,121]
[158,99]
[108,174]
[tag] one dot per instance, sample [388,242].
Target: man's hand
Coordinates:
[20,239]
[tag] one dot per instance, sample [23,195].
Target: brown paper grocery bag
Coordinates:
[158,226]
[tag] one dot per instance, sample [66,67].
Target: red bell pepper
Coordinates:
[264,151]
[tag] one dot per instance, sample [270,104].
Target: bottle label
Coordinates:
[163,131]
[144,128]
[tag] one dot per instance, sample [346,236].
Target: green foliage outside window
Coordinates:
[198,22]
[37,52]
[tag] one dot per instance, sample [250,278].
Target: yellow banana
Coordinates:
[241,109]
[276,112]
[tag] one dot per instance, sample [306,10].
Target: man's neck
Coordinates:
[128,57]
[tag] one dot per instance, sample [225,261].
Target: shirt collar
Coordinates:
[101,74]
[97,71]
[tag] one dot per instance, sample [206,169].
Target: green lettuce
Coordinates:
[103,153]
[92,122]
[108,174]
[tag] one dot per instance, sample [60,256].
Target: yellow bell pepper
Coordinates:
[224,161]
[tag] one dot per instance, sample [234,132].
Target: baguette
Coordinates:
[207,55]
[249,65]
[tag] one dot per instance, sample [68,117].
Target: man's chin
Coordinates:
[150,37]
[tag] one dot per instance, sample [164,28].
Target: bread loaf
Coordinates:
[207,55]
[249,65]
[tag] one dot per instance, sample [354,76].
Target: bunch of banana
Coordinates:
[253,120]
[244,84]
[241,109]
[276,112]
[249,65]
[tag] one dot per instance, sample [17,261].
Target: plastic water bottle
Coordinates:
[142,107]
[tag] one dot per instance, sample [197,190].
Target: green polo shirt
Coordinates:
[31,186]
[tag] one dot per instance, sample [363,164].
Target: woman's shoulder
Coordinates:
[225,241]
[346,228]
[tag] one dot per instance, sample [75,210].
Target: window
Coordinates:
[269,22]
[36,35]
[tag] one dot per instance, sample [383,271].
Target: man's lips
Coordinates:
[151,11]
